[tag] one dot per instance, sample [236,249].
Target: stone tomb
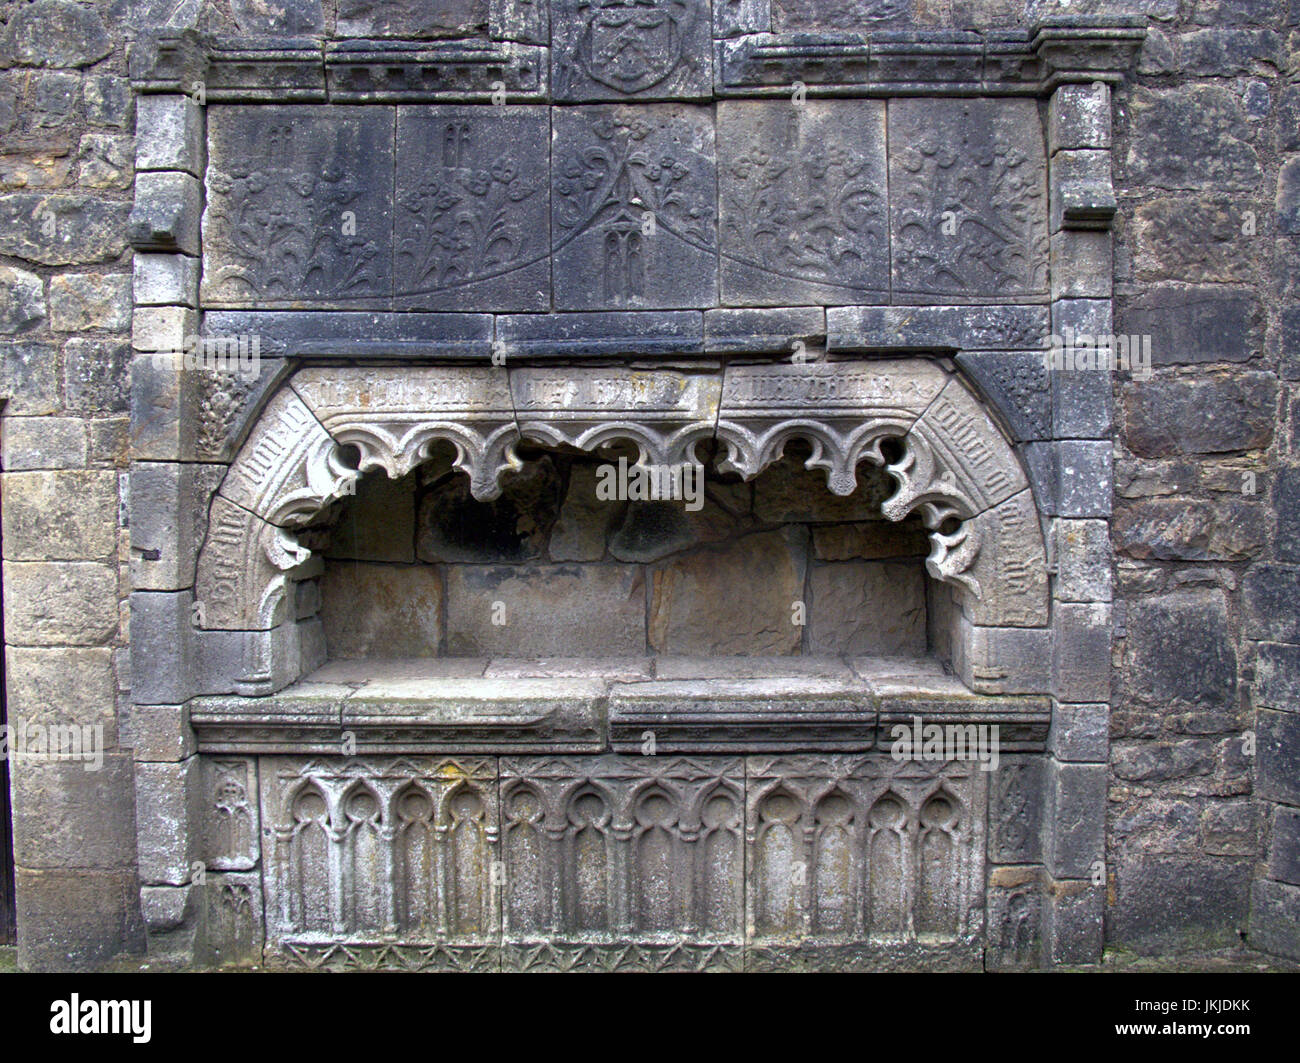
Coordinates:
[416,696]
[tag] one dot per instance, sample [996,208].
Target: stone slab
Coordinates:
[803,215]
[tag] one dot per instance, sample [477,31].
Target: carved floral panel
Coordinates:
[294,213]
[803,209]
[633,208]
[472,219]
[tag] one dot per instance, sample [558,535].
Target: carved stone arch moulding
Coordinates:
[949,459]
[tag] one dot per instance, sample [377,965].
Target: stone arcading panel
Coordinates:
[955,465]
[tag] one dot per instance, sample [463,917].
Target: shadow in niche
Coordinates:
[573,560]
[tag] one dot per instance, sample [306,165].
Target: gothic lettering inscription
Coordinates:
[293,217]
[665,413]
[472,208]
[288,462]
[802,198]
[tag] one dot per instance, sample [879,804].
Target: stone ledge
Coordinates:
[892,62]
[692,705]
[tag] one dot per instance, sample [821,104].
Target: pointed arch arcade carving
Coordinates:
[950,461]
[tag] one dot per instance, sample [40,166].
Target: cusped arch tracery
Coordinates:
[949,460]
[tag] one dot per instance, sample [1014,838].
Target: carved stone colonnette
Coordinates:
[614,862]
[953,463]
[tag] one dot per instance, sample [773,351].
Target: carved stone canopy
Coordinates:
[951,461]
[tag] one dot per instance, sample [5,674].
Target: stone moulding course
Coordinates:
[932,62]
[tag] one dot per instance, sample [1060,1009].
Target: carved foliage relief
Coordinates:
[802,202]
[613,206]
[633,207]
[968,195]
[472,220]
[292,213]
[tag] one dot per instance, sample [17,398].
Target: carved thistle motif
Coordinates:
[803,200]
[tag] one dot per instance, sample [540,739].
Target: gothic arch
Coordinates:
[950,460]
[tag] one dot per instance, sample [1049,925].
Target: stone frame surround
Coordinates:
[1046,808]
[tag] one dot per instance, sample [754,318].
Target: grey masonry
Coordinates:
[383,679]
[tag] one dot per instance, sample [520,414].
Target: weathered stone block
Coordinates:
[803,218]
[83,301]
[22,306]
[62,687]
[473,220]
[1284,845]
[1204,416]
[1081,264]
[29,377]
[1163,903]
[453,526]
[1269,593]
[378,522]
[1191,530]
[1277,771]
[867,608]
[169,135]
[1079,732]
[1076,804]
[403,18]
[1191,138]
[546,610]
[1017,801]
[169,504]
[104,161]
[62,230]
[381,610]
[166,213]
[161,733]
[60,516]
[231,933]
[710,603]
[968,200]
[1199,240]
[166,280]
[1073,922]
[1190,326]
[60,603]
[1180,651]
[1083,558]
[76,920]
[655,245]
[1084,478]
[1275,918]
[166,807]
[95,375]
[44,443]
[1277,677]
[1001,660]
[91,806]
[1079,117]
[55,33]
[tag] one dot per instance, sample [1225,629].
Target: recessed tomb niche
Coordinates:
[586,555]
